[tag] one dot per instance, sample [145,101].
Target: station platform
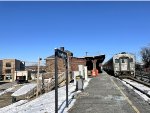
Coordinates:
[106,94]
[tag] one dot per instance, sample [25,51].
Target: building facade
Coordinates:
[93,62]
[8,68]
[26,74]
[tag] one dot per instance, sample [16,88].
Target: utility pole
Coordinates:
[69,68]
[66,66]
[37,90]
[56,81]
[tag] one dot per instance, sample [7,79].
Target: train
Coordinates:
[121,64]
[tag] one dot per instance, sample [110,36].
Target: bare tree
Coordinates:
[145,53]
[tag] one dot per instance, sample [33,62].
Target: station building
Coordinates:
[92,62]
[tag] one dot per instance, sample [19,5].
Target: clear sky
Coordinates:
[32,29]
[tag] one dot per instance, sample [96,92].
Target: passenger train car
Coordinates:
[121,64]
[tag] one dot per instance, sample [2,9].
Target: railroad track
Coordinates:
[145,92]
[135,79]
[142,87]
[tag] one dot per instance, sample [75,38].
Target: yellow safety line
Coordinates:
[128,100]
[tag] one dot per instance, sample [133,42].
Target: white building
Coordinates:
[19,74]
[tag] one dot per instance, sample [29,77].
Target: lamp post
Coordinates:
[37,90]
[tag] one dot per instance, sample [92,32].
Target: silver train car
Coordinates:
[121,64]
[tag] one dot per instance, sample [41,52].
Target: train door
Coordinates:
[124,64]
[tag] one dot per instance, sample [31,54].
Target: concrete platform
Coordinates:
[106,94]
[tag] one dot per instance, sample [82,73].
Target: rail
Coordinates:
[144,76]
[140,77]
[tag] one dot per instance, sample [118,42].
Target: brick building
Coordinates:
[8,68]
[50,63]
[73,62]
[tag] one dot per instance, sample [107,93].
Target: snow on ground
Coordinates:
[46,102]
[72,101]
[142,95]
[7,90]
[139,86]
[24,89]
[8,108]
[127,85]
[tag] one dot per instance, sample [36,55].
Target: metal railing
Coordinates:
[51,85]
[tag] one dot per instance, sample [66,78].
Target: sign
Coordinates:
[63,55]
[60,54]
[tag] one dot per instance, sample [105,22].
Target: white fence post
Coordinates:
[85,72]
[81,69]
[75,73]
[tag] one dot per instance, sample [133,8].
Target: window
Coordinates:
[131,59]
[116,60]
[8,64]
[8,71]
[8,77]
[124,60]
[1,78]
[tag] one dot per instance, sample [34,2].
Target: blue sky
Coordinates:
[32,29]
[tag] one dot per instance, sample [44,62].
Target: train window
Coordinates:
[123,60]
[116,60]
[131,59]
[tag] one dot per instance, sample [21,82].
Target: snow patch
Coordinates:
[142,95]
[8,108]
[24,89]
[44,103]
[139,86]
[7,90]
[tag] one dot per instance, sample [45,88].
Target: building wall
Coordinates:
[50,63]
[17,65]
[22,73]
[77,61]
[73,64]
[9,66]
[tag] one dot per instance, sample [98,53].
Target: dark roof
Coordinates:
[52,56]
[99,57]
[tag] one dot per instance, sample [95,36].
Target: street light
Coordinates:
[37,90]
